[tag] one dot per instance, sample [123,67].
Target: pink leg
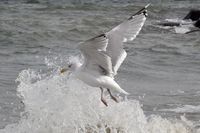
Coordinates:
[102,99]
[114,98]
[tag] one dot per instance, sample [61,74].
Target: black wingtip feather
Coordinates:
[101,35]
[141,11]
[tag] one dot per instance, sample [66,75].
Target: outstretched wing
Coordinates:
[94,54]
[126,31]
[105,52]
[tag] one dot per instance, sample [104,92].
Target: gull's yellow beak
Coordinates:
[63,70]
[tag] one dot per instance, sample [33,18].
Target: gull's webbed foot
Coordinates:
[104,101]
[113,98]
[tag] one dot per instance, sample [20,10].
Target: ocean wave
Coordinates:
[185,109]
[57,103]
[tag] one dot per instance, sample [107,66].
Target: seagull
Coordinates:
[104,54]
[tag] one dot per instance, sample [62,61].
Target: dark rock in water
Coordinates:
[169,23]
[194,15]
[197,24]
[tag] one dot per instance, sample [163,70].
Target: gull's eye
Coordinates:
[70,65]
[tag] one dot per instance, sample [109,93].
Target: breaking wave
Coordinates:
[56,103]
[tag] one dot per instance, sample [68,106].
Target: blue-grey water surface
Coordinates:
[162,69]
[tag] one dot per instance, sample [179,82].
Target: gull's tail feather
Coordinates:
[123,91]
[111,84]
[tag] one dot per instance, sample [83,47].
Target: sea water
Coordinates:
[161,71]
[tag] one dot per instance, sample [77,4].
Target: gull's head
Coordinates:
[71,67]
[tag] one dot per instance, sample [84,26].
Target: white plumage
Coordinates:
[104,54]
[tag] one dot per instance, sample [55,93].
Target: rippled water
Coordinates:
[162,70]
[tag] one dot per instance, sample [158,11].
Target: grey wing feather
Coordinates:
[106,50]
[97,43]
[126,31]
[93,51]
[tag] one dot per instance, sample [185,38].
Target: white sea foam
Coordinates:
[184,25]
[61,104]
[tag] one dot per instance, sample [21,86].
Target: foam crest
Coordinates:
[60,103]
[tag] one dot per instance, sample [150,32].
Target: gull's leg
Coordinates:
[102,99]
[114,98]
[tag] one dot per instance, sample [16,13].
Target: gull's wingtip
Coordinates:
[142,11]
[147,5]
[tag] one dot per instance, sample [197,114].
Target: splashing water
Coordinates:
[62,104]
